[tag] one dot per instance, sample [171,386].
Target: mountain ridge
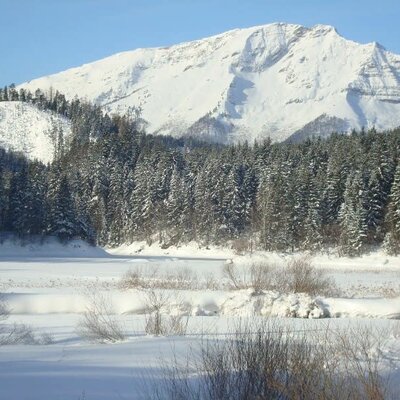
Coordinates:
[265,81]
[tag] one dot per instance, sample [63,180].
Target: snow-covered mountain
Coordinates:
[33,132]
[275,80]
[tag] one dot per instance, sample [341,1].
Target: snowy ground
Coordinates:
[47,287]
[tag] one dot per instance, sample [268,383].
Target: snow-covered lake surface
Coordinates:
[48,287]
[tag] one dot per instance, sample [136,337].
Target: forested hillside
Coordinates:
[111,184]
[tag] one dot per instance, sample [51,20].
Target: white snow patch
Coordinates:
[26,129]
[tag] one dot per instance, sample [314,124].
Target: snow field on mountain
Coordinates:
[26,129]
[267,81]
[259,82]
[49,287]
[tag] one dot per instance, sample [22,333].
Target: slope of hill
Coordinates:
[25,128]
[271,80]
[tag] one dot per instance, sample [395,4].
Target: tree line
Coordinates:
[113,184]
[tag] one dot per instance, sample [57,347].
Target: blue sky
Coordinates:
[40,37]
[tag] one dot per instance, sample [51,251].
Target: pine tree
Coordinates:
[35,199]
[234,203]
[353,216]
[313,236]
[205,223]
[377,200]
[62,221]
[392,238]
[2,199]
[174,208]
[275,208]
[20,197]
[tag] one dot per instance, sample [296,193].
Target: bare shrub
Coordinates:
[45,338]
[300,276]
[98,323]
[177,325]
[4,311]
[158,322]
[241,246]
[17,334]
[4,314]
[12,334]
[359,350]
[234,278]
[211,283]
[269,362]
[155,301]
[259,276]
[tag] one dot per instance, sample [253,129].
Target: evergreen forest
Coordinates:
[111,183]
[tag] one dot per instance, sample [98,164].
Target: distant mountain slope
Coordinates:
[25,128]
[271,80]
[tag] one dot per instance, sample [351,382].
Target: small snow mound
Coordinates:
[273,304]
[364,308]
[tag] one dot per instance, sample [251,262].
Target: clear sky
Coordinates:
[40,37]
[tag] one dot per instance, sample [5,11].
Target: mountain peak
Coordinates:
[269,80]
[324,28]
[377,45]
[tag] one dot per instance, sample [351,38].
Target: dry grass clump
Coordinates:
[136,278]
[270,362]
[98,323]
[180,279]
[152,278]
[297,276]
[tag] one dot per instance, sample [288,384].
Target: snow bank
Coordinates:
[36,279]
[365,308]
[190,250]
[48,247]
[242,303]
[375,261]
